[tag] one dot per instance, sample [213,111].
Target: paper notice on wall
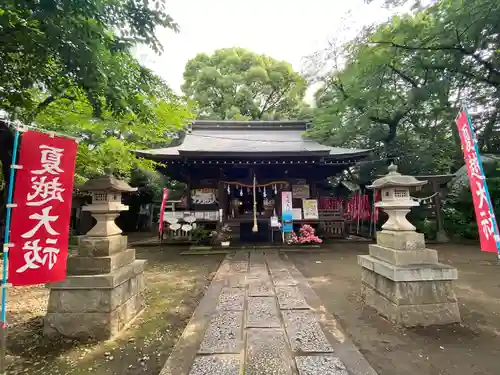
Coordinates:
[310,207]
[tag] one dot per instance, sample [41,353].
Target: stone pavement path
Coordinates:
[258,317]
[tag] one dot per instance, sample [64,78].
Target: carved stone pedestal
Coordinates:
[405,283]
[102,293]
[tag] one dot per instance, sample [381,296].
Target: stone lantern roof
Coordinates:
[107,183]
[395,179]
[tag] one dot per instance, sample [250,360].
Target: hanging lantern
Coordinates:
[228,189]
[241,192]
[275,189]
[264,193]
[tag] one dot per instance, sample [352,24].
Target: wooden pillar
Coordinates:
[189,203]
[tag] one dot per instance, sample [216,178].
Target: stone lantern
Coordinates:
[103,289]
[106,203]
[396,200]
[401,278]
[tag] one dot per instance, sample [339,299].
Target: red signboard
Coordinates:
[162,210]
[40,223]
[485,217]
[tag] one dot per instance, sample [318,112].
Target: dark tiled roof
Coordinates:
[248,137]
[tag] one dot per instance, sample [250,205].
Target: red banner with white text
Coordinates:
[41,214]
[162,209]
[485,217]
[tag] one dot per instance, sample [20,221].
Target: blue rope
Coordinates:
[7,227]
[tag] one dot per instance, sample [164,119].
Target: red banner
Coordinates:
[40,223]
[485,217]
[162,209]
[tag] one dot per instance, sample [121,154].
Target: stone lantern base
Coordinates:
[102,293]
[405,283]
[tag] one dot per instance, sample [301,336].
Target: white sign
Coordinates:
[203,196]
[297,213]
[300,191]
[274,222]
[310,207]
[286,202]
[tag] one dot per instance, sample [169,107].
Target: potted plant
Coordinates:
[223,236]
[201,236]
[306,236]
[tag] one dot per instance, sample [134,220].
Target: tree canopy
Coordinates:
[235,83]
[51,48]
[398,86]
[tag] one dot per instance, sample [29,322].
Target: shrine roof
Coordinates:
[248,137]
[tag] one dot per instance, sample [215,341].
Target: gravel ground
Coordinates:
[469,348]
[174,283]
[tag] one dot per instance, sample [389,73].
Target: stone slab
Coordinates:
[410,292]
[304,332]
[404,257]
[236,280]
[260,288]
[104,281]
[79,265]
[404,240]
[231,299]
[408,273]
[101,246]
[290,297]
[320,365]
[224,333]
[94,300]
[258,272]
[238,266]
[262,312]
[266,353]
[282,278]
[88,326]
[216,365]
[412,315]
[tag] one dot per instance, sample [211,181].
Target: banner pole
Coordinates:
[488,197]
[3,323]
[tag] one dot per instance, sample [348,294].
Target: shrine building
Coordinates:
[222,163]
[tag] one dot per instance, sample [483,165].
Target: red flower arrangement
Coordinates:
[306,236]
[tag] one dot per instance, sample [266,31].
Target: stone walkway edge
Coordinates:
[259,316]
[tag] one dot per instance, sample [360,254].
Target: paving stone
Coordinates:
[231,299]
[266,353]
[216,365]
[320,365]
[258,272]
[290,297]
[224,333]
[282,278]
[236,280]
[238,266]
[262,312]
[260,287]
[304,332]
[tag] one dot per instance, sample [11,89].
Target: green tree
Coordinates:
[235,83]
[109,141]
[401,84]
[56,45]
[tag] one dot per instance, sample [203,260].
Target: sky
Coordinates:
[283,29]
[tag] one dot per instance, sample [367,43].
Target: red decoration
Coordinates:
[330,204]
[376,209]
[162,210]
[485,217]
[40,223]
